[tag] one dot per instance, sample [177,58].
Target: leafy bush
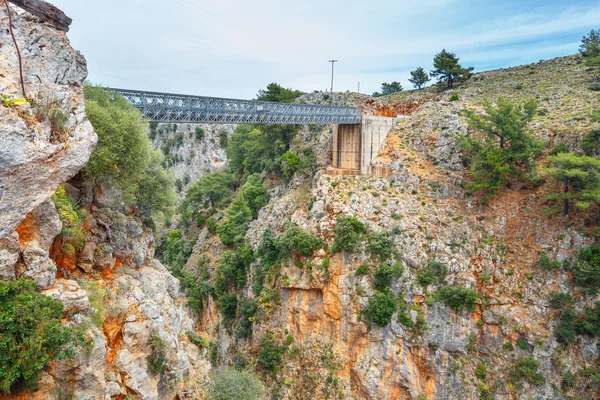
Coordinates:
[290,163]
[381,307]
[215,189]
[591,142]
[384,273]
[31,334]
[255,194]
[363,269]
[348,232]
[247,310]
[296,240]
[155,189]
[175,250]
[124,156]
[457,297]
[232,269]
[233,230]
[228,307]
[258,148]
[199,133]
[595,86]
[212,225]
[380,244]
[454,97]
[571,323]
[527,368]
[72,218]
[586,272]
[545,262]
[228,384]
[157,359]
[198,340]
[269,356]
[435,272]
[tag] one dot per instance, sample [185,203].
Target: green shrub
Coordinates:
[234,229]
[212,225]
[522,344]
[527,368]
[457,297]
[199,133]
[595,116]
[228,307]
[214,189]
[31,334]
[255,194]
[363,269]
[560,148]
[290,163]
[296,240]
[348,232]
[595,86]
[545,262]
[157,359]
[175,251]
[383,275]
[72,218]
[380,244]
[436,271]
[198,340]
[258,148]
[591,142]
[247,310]
[232,269]
[269,356]
[454,97]
[124,156]
[480,371]
[229,384]
[381,307]
[586,272]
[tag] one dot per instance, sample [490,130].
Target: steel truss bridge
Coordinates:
[167,107]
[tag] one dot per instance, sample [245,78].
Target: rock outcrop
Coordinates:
[48,140]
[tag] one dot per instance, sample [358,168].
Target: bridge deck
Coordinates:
[167,107]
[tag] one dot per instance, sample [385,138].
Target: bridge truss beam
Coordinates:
[165,107]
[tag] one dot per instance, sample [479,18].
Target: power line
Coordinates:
[234,20]
[206,13]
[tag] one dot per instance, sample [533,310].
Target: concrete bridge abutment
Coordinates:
[356,145]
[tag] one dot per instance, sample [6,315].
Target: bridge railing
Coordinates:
[167,107]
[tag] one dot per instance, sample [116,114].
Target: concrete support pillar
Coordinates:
[354,146]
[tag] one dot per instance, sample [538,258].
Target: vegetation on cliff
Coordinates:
[31,334]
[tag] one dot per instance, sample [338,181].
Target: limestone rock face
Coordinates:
[35,158]
[191,150]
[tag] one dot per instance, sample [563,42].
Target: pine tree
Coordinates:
[448,69]
[505,150]
[388,89]
[590,47]
[419,77]
[580,179]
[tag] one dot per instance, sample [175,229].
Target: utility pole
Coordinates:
[332,64]
[359,87]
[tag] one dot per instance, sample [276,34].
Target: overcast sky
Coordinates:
[232,48]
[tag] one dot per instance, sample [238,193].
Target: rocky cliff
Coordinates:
[313,306]
[191,150]
[125,303]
